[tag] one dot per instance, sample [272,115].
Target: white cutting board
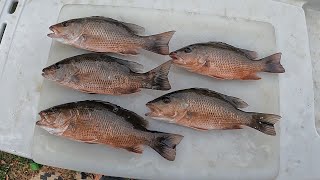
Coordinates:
[219,154]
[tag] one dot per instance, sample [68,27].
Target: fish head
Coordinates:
[58,72]
[67,31]
[167,107]
[186,56]
[54,120]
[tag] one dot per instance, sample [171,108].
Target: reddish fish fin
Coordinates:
[272,64]
[234,101]
[137,149]
[158,77]
[120,91]
[130,51]
[198,128]
[133,66]
[165,144]
[217,77]
[134,28]
[232,127]
[248,53]
[86,91]
[159,43]
[252,76]
[88,141]
[264,122]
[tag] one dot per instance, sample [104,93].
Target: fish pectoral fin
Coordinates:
[252,76]
[136,149]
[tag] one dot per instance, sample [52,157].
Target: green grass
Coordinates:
[10,161]
[3,171]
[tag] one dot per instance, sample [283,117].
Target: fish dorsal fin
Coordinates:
[249,54]
[137,121]
[133,27]
[235,102]
[133,66]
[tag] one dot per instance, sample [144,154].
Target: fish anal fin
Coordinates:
[89,141]
[252,76]
[121,91]
[232,127]
[199,128]
[86,91]
[130,51]
[217,77]
[136,149]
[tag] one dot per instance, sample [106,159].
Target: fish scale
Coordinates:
[213,110]
[103,74]
[101,34]
[223,61]
[98,122]
[204,109]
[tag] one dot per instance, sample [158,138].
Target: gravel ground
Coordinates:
[13,167]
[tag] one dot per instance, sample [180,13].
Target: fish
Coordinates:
[102,34]
[100,122]
[223,61]
[99,73]
[204,109]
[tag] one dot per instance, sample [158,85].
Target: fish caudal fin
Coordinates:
[165,145]
[264,122]
[158,77]
[159,43]
[272,64]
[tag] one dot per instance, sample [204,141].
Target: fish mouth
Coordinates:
[43,74]
[39,123]
[55,33]
[154,110]
[42,118]
[175,58]
[174,55]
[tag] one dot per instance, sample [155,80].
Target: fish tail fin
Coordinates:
[157,78]
[264,122]
[272,64]
[165,144]
[159,43]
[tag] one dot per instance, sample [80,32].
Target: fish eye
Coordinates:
[166,100]
[187,50]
